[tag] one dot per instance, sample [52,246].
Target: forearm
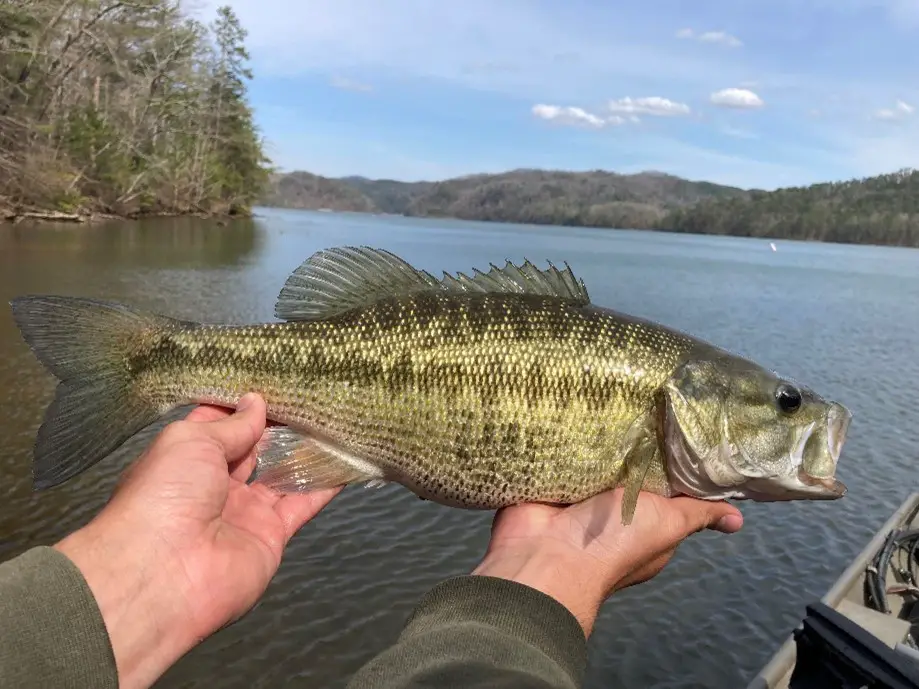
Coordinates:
[51,631]
[139,597]
[480,631]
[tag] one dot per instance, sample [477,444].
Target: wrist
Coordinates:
[572,582]
[144,615]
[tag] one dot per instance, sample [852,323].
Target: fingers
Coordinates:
[207,412]
[240,431]
[706,514]
[295,510]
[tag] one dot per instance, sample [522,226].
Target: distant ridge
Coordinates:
[874,210]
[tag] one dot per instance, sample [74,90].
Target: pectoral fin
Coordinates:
[641,453]
[294,462]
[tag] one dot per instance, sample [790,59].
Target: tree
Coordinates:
[239,173]
[125,107]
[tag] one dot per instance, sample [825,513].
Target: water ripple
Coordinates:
[844,320]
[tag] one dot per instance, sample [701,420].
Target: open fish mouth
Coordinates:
[802,484]
[838,421]
[837,429]
[726,472]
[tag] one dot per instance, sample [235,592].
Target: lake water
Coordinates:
[843,319]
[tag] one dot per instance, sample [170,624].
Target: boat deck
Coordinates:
[847,596]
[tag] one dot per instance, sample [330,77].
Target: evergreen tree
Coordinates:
[238,157]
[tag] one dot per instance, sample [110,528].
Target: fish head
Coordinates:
[732,429]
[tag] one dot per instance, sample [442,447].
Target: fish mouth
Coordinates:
[837,422]
[718,476]
[830,487]
[803,485]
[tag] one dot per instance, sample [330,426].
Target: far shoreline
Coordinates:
[656,230]
[35,216]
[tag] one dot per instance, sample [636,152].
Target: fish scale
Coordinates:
[487,416]
[476,392]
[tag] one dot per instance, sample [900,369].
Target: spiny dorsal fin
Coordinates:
[522,279]
[335,280]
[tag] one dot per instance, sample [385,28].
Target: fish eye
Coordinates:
[788,398]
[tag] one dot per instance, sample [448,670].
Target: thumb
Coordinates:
[238,433]
[707,514]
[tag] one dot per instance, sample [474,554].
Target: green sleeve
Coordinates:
[476,631]
[51,631]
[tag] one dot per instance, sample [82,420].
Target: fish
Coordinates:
[474,391]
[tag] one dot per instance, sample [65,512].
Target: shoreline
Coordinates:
[604,228]
[11,215]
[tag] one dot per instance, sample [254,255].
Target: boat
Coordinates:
[864,632]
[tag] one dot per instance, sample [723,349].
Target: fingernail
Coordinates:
[729,523]
[246,401]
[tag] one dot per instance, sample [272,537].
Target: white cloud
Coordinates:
[622,111]
[570,115]
[651,105]
[346,84]
[743,99]
[720,37]
[898,112]
[572,53]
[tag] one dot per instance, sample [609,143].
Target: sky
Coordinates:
[751,93]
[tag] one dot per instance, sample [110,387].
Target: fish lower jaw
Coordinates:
[715,493]
[701,486]
[768,490]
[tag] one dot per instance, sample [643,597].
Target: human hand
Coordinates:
[185,546]
[581,554]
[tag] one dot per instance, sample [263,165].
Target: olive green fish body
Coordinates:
[475,400]
[485,391]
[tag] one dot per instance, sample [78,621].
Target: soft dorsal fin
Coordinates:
[335,280]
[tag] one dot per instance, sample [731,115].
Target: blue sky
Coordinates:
[755,93]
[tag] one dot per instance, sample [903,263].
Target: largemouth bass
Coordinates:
[480,392]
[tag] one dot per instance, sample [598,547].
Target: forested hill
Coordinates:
[602,199]
[124,108]
[874,210]
[306,190]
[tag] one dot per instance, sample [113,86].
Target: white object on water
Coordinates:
[772,244]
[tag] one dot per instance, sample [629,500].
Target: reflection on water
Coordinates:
[111,260]
[148,243]
[842,319]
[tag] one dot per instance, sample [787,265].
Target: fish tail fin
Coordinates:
[88,345]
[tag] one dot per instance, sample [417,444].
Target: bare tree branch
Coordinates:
[127,107]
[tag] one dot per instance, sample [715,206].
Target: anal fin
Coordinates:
[294,462]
